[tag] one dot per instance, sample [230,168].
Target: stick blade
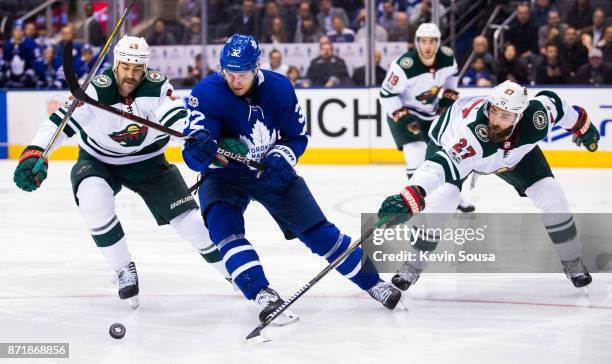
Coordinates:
[256,337]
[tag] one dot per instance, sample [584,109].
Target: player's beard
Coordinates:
[128,85]
[497,134]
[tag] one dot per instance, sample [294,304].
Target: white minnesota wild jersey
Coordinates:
[461,132]
[409,83]
[111,138]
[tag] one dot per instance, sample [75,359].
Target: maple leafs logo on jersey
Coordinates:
[261,138]
[429,96]
[131,136]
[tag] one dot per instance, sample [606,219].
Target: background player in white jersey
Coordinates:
[498,134]
[410,95]
[115,152]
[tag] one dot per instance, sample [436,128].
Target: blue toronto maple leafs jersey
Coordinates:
[270,118]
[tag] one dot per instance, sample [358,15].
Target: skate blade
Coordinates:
[134,302]
[286,318]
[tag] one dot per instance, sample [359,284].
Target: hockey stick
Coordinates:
[255,335]
[78,93]
[75,102]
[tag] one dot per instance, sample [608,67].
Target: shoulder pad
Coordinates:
[155,76]
[406,62]
[446,50]
[101,81]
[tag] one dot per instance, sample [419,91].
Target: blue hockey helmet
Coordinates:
[240,53]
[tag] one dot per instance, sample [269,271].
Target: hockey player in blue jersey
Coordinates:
[260,109]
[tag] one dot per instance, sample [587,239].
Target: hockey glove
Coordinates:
[448,97]
[406,121]
[584,132]
[278,172]
[199,152]
[24,176]
[411,200]
[231,145]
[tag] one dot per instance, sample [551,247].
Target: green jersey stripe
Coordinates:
[57,120]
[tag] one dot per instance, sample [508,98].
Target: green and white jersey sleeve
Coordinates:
[409,83]
[113,139]
[461,132]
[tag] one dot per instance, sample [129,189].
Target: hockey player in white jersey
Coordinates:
[115,152]
[410,95]
[498,134]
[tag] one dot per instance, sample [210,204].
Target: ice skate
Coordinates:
[127,282]
[465,206]
[268,301]
[385,293]
[576,272]
[406,276]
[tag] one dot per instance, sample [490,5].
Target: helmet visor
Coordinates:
[239,76]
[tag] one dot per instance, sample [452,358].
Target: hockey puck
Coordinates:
[116,331]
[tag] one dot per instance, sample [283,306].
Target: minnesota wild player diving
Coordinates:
[410,95]
[498,134]
[115,152]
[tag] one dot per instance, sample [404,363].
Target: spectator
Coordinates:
[573,53]
[324,40]
[522,33]
[421,13]
[197,72]
[245,23]
[193,35]
[606,44]
[540,12]
[271,13]
[552,31]
[87,61]
[186,10]
[387,19]
[340,33]
[480,45]
[511,67]
[596,30]
[30,31]
[278,34]
[327,69]
[276,63]
[580,15]
[380,33]
[404,31]
[327,13]
[551,71]
[159,35]
[287,12]
[477,75]
[359,76]
[66,35]
[294,76]
[596,72]
[302,12]
[309,31]
[46,73]
[92,29]
[20,55]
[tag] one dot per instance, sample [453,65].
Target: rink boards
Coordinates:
[347,126]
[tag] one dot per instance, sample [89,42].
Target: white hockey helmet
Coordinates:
[131,50]
[508,96]
[427,30]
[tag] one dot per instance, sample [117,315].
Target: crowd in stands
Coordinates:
[543,45]
[546,47]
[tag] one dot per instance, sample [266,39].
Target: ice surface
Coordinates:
[56,287]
